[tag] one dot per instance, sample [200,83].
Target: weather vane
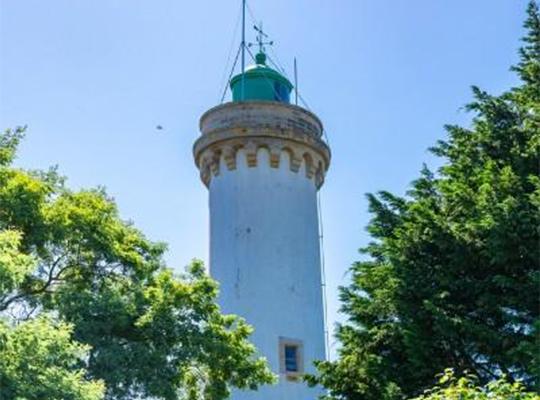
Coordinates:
[261,37]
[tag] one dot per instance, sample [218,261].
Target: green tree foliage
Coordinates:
[452,388]
[453,275]
[39,360]
[14,265]
[144,331]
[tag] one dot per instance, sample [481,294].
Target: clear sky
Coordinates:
[92,79]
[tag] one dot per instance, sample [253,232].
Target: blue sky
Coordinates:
[92,79]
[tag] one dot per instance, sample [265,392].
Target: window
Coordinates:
[291,358]
[281,92]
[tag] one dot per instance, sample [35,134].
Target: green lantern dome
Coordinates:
[261,83]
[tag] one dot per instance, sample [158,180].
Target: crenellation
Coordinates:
[215,157]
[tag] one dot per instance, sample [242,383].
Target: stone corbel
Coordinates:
[214,163]
[319,177]
[205,171]
[275,155]
[310,168]
[296,162]
[251,153]
[229,156]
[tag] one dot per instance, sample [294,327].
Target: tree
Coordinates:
[145,331]
[38,358]
[452,388]
[453,277]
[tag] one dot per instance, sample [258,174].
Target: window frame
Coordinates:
[299,345]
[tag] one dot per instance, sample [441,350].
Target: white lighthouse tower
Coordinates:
[263,161]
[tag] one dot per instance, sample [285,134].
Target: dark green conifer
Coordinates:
[453,277]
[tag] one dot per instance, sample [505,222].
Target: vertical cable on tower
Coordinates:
[323,277]
[243,48]
[295,82]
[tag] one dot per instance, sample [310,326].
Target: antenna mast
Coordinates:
[295,82]
[243,45]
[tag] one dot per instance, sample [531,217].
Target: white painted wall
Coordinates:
[264,252]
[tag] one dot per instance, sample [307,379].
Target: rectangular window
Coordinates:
[281,92]
[291,358]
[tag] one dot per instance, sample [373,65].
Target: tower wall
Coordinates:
[263,164]
[264,253]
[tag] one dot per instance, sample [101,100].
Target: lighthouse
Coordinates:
[263,161]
